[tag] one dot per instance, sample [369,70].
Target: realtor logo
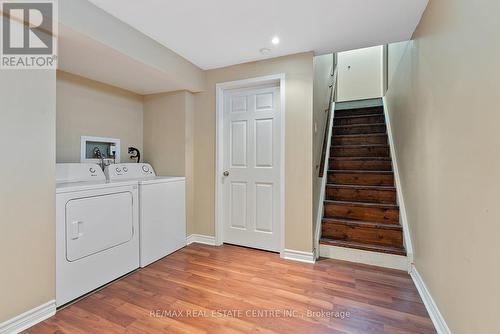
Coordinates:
[28,35]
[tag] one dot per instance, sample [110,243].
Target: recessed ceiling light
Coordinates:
[265,51]
[275,40]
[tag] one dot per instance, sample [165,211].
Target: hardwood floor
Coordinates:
[230,289]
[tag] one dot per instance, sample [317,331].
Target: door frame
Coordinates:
[278,79]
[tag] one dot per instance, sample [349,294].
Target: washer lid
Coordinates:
[162,179]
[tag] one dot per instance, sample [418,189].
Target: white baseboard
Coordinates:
[295,255]
[365,257]
[430,305]
[28,318]
[200,239]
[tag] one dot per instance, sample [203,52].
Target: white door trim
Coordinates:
[246,83]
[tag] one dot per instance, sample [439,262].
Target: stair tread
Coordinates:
[358,125]
[362,223]
[362,246]
[379,108]
[348,171]
[359,116]
[359,145]
[358,186]
[360,134]
[361,158]
[363,204]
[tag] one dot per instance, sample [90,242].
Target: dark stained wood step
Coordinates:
[361,163]
[381,213]
[363,232]
[363,246]
[359,129]
[360,139]
[367,194]
[359,111]
[359,119]
[360,151]
[361,177]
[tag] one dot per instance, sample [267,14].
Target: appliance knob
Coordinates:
[118,170]
[145,168]
[125,169]
[91,170]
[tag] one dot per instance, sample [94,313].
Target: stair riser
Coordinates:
[359,120]
[340,164]
[362,111]
[360,140]
[372,214]
[370,235]
[362,129]
[371,151]
[361,195]
[361,179]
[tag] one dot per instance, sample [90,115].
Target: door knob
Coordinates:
[226,173]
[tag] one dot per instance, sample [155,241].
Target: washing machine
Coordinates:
[97,230]
[162,218]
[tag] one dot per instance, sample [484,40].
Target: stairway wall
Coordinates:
[360,74]
[442,102]
[323,67]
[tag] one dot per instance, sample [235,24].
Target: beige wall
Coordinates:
[27,188]
[323,67]
[90,108]
[298,153]
[360,74]
[395,52]
[443,104]
[169,140]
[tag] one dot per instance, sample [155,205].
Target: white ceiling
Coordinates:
[217,33]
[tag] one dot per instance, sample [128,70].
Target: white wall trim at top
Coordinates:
[246,83]
[401,202]
[28,318]
[300,256]
[200,239]
[436,316]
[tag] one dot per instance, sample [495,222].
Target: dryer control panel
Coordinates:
[129,171]
[78,172]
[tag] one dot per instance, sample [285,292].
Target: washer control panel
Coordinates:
[129,171]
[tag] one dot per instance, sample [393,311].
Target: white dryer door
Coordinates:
[94,224]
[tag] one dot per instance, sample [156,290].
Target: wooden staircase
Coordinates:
[360,209]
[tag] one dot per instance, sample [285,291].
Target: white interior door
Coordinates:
[251,177]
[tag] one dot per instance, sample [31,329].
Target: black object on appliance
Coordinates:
[134,154]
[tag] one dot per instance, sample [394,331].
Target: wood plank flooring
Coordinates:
[230,289]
